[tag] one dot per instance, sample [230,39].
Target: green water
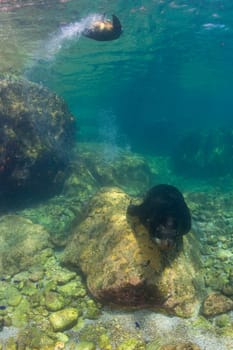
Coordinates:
[162,90]
[171,71]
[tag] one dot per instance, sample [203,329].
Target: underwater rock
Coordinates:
[63,319]
[107,165]
[85,345]
[22,244]
[228,289]
[90,169]
[54,301]
[215,304]
[123,266]
[37,135]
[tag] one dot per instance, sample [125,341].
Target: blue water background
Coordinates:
[170,72]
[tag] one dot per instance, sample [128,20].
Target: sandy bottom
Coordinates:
[167,330]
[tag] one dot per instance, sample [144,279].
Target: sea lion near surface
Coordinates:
[165,214]
[104,29]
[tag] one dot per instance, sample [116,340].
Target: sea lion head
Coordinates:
[165,215]
[165,234]
[104,29]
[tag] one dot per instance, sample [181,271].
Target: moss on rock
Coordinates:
[140,275]
[21,243]
[64,319]
[37,137]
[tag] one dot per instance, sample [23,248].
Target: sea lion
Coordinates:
[104,29]
[165,214]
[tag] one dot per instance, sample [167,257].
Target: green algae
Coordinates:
[54,301]
[202,323]
[20,315]
[154,345]
[14,297]
[92,333]
[131,344]
[85,345]
[72,289]
[64,319]
[91,309]
[10,344]
[223,321]
[104,342]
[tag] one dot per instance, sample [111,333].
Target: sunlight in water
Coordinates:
[57,40]
[69,32]
[110,136]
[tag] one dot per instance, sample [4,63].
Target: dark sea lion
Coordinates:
[104,30]
[165,214]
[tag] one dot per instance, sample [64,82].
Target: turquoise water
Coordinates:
[171,70]
[163,90]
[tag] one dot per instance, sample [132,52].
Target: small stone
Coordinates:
[216,304]
[36,275]
[85,345]
[63,319]
[223,320]
[54,301]
[63,276]
[104,342]
[20,314]
[11,344]
[130,344]
[62,337]
[14,297]
[223,254]
[228,289]
[59,345]
[72,289]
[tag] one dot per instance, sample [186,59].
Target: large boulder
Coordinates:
[37,133]
[124,267]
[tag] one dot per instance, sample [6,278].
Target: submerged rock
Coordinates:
[216,303]
[107,165]
[54,301]
[88,171]
[124,267]
[37,134]
[64,319]
[204,154]
[21,244]
[85,345]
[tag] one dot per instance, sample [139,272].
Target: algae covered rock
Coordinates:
[37,135]
[54,301]
[97,166]
[63,319]
[85,345]
[21,243]
[124,267]
[216,303]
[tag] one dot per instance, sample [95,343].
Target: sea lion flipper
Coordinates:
[116,22]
